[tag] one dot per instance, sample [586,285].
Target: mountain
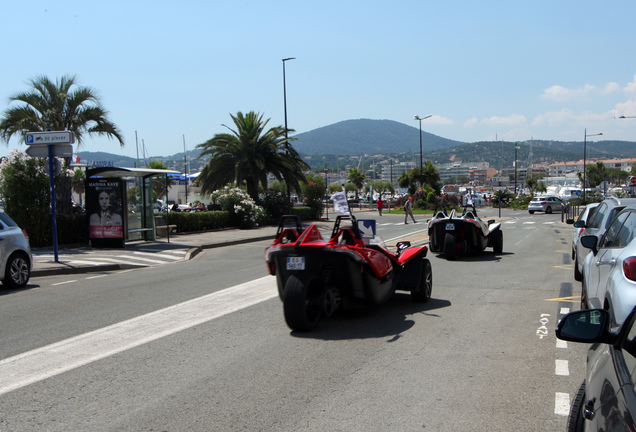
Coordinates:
[338,147]
[354,137]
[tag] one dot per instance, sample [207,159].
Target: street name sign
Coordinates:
[45,138]
[501,179]
[59,150]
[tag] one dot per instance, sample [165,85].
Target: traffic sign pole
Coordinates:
[52,189]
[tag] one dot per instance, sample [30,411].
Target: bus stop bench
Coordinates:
[162,229]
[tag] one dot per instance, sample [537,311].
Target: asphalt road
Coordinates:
[202,346]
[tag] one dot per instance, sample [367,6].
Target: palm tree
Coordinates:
[79,183]
[248,154]
[60,106]
[357,177]
[160,183]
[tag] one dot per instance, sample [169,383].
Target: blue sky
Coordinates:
[485,70]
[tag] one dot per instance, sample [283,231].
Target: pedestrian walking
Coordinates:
[408,210]
[380,205]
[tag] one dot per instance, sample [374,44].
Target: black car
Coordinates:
[606,400]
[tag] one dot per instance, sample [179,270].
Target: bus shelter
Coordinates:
[120,204]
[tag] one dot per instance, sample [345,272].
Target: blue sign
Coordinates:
[366,228]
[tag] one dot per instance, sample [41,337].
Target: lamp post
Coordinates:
[420,120]
[285,107]
[326,193]
[516,148]
[584,161]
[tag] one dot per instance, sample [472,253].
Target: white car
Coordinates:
[579,225]
[609,271]
[546,204]
[15,252]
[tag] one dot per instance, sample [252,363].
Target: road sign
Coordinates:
[44,138]
[632,180]
[500,188]
[501,179]
[59,150]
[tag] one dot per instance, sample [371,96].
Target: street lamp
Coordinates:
[624,117]
[285,107]
[584,161]
[420,120]
[516,148]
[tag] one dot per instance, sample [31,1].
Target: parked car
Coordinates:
[596,225]
[609,272]
[585,214]
[605,400]
[16,260]
[547,204]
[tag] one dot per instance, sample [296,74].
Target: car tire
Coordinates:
[577,274]
[531,211]
[302,311]
[450,247]
[584,304]
[548,210]
[422,293]
[17,272]
[497,246]
[576,419]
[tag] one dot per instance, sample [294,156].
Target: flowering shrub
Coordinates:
[275,205]
[244,212]
[314,192]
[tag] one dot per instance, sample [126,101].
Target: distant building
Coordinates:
[397,169]
[563,168]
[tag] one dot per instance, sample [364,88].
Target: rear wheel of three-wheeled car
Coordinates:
[423,292]
[301,305]
[450,246]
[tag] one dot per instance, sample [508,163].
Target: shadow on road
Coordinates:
[387,321]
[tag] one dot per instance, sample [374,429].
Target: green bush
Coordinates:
[305,213]
[199,221]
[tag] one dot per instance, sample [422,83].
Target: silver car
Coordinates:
[596,225]
[609,271]
[546,204]
[16,260]
[579,225]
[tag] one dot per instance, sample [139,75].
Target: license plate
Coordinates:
[450,227]
[295,263]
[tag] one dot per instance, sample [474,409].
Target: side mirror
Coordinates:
[569,221]
[587,326]
[589,241]
[579,223]
[491,221]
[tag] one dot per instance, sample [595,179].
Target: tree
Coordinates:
[248,154]
[160,183]
[356,177]
[430,176]
[60,106]
[594,174]
[79,183]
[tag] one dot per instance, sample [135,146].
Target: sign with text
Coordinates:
[45,138]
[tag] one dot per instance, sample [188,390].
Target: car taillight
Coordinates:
[629,268]
[25,234]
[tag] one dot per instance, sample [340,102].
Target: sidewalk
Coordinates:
[190,243]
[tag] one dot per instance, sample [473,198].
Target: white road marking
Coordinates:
[561,368]
[157,255]
[42,363]
[562,404]
[64,283]
[141,259]
[561,343]
[565,310]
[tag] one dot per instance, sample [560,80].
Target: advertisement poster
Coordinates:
[104,206]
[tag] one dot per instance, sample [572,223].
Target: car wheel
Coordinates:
[576,419]
[548,210]
[583,297]
[497,246]
[450,247]
[17,272]
[531,211]
[577,274]
[301,305]
[422,293]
